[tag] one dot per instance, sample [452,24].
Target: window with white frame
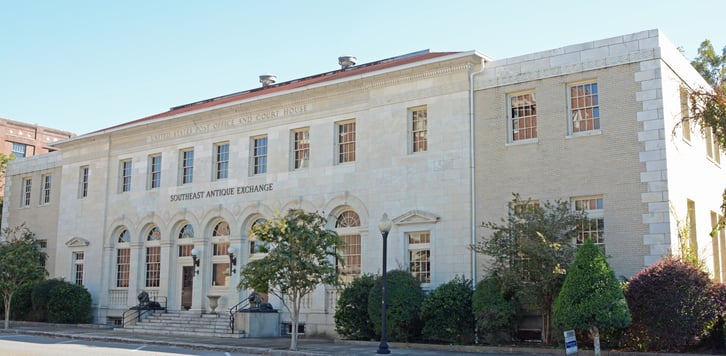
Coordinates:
[186,234]
[19,150]
[221,160]
[123,265]
[347,225]
[154,234]
[153,266]
[259,155]
[584,107]
[125,175]
[716,251]
[78,267]
[594,226]
[691,225]
[186,166]
[345,141]
[221,266]
[300,148]
[685,115]
[27,190]
[712,147]
[418,126]
[522,117]
[154,171]
[419,255]
[83,182]
[45,192]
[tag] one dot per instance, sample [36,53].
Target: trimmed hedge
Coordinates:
[69,304]
[351,317]
[496,312]
[404,297]
[447,313]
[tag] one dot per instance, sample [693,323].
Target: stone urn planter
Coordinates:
[213,302]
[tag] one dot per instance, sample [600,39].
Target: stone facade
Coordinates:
[131,230]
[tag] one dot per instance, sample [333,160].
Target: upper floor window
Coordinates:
[45,193]
[125,175]
[584,107]
[19,149]
[259,155]
[27,186]
[522,117]
[418,119]
[187,166]
[154,171]
[221,160]
[345,140]
[594,227]
[300,148]
[83,182]
[712,147]
[685,115]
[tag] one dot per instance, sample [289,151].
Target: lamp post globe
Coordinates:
[384,226]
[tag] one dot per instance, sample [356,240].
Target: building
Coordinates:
[595,123]
[24,140]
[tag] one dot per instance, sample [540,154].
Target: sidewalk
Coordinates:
[279,346]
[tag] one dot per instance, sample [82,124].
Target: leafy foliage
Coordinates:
[669,305]
[351,317]
[495,310]
[69,303]
[40,297]
[302,255]
[22,305]
[531,249]
[404,298]
[20,263]
[710,65]
[591,297]
[447,312]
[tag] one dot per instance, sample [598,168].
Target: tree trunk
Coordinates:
[8,299]
[596,336]
[294,316]
[546,315]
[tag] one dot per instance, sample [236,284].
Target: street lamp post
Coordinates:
[385,227]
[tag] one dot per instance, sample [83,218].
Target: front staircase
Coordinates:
[183,324]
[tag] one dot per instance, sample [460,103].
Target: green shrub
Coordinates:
[41,297]
[496,311]
[351,317]
[69,303]
[669,305]
[22,306]
[403,306]
[447,314]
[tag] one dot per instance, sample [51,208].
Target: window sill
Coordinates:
[584,134]
[523,142]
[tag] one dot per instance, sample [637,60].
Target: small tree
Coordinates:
[302,255]
[446,312]
[531,249]
[351,315]
[20,263]
[591,298]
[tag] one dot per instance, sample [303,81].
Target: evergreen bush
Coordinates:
[68,304]
[22,305]
[404,297]
[351,316]
[447,312]
[40,297]
[495,310]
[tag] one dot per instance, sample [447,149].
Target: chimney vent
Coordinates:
[267,79]
[346,61]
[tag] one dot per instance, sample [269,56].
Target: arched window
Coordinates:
[220,254]
[154,234]
[153,258]
[347,225]
[123,259]
[221,229]
[124,236]
[186,234]
[257,246]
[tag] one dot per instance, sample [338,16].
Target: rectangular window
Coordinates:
[19,150]
[125,176]
[685,115]
[153,266]
[712,148]
[220,248]
[522,117]
[300,148]
[419,255]
[78,267]
[220,272]
[259,155]
[27,188]
[45,193]
[187,166]
[83,182]
[584,107]
[221,160]
[154,171]
[351,257]
[691,226]
[185,250]
[42,244]
[346,141]
[715,247]
[722,248]
[594,227]
[123,266]
[418,118]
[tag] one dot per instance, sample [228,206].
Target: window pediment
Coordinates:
[77,242]
[415,217]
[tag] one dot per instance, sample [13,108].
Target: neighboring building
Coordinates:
[24,140]
[439,141]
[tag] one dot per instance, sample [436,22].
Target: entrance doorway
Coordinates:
[187,287]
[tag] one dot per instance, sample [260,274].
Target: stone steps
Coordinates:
[184,324]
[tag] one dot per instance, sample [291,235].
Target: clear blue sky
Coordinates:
[84,65]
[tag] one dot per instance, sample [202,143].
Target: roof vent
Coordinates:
[267,79]
[346,61]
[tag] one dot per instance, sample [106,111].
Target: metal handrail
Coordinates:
[138,312]
[233,310]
